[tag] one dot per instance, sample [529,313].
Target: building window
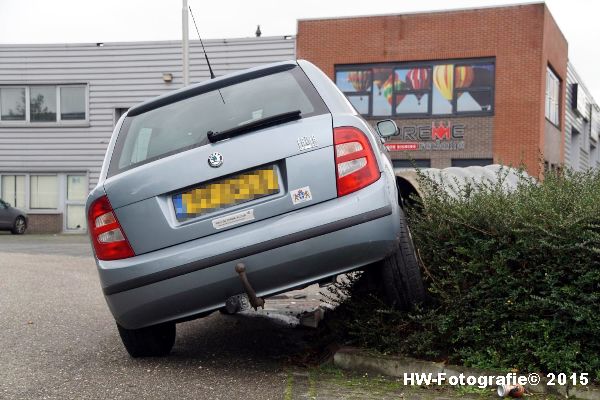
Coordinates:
[469,162]
[39,104]
[552,97]
[433,88]
[473,87]
[412,89]
[423,163]
[443,89]
[13,190]
[357,85]
[72,103]
[12,104]
[42,103]
[43,191]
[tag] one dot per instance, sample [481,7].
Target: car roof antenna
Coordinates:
[212,75]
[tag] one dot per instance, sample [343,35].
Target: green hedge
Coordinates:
[514,279]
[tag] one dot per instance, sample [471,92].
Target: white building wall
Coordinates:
[581,149]
[118,75]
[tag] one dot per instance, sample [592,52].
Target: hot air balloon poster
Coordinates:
[353,81]
[358,82]
[474,94]
[416,82]
[382,91]
[443,88]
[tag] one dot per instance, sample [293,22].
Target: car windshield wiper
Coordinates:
[254,125]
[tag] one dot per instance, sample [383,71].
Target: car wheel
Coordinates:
[19,226]
[152,341]
[399,274]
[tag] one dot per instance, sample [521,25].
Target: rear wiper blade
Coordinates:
[254,125]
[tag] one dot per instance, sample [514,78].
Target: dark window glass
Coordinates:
[483,75]
[184,125]
[424,163]
[72,103]
[468,162]
[474,85]
[474,100]
[12,104]
[42,103]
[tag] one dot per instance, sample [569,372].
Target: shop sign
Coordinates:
[437,137]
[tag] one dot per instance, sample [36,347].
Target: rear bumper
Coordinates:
[295,249]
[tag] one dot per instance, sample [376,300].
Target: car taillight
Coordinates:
[107,235]
[356,165]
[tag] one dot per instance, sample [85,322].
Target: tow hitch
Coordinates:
[255,301]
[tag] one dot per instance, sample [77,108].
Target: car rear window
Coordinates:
[183,125]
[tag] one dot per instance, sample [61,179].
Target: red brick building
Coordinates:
[466,87]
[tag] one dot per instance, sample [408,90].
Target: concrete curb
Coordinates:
[395,366]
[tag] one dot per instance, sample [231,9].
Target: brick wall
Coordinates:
[45,223]
[514,35]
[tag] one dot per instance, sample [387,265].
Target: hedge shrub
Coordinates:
[514,279]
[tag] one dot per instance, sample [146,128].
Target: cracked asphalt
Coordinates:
[59,341]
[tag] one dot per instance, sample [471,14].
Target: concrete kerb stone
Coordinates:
[584,392]
[396,366]
[355,359]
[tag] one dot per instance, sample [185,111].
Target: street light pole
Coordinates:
[185,43]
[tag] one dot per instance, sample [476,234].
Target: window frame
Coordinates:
[366,93]
[59,185]
[556,105]
[46,124]
[428,92]
[13,122]
[491,89]
[423,64]
[25,189]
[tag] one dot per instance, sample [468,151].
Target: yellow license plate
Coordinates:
[226,193]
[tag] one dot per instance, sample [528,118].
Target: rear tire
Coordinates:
[152,341]
[399,275]
[19,226]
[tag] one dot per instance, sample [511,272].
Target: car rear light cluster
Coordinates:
[106,233]
[356,165]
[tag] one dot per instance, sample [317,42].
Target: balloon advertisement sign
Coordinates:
[435,89]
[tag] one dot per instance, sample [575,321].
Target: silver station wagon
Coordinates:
[238,188]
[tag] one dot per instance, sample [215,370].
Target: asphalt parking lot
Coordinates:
[59,341]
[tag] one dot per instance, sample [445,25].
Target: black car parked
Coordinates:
[12,219]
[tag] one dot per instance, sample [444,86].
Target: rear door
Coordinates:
[168,183]
[4,215]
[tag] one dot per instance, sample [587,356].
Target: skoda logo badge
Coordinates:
[215,160]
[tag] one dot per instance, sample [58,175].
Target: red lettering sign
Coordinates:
[441,131]
[402,146]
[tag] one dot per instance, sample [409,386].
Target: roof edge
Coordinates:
[440,11]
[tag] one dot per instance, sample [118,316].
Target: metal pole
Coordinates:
[185,43]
